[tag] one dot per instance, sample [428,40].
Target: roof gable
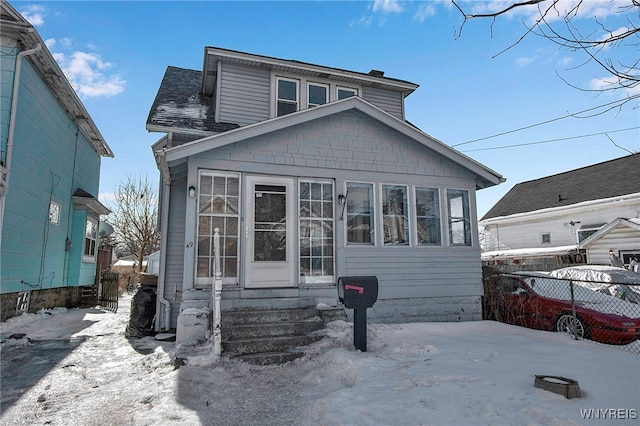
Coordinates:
[484,176]
[16,26]
[617,223]
[599,181]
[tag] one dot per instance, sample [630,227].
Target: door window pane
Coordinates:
[428,216]
[270,222]
[316,231]
[360,218]
[395,219]
[459,218]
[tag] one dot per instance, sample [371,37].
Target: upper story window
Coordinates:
[317,94]
[545,238]
[287,96]
[346,92]
[90,240]
[459,217]
[292,92]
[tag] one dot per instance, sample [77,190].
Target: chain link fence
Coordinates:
[604,312]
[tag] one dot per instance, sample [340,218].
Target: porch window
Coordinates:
[218,208]
[90,240]
[395,219]
[287,98]
[360,217]
[316,231]
[459,218]
[317,94]
[428,216]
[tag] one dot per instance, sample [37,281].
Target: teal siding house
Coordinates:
[50,153]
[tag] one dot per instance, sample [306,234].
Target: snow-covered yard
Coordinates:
[80,370]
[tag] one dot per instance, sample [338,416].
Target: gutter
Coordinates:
[166,192]
[4,182]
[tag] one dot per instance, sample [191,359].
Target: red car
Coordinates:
[535,300]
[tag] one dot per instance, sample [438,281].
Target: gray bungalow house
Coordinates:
[310,173]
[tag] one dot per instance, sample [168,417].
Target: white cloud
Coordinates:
[387,6]
[87,73]
[424,11]
[34,14]
[364,21]
[524,61]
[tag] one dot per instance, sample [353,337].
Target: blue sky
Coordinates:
[116,52]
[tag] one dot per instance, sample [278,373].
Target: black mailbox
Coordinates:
[358,292]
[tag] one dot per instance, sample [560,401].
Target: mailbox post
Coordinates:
[358,293]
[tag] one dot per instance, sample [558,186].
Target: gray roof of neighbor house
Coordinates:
[16,26]
[599,181]
[179,104]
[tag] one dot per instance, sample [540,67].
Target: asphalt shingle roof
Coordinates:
[179,104]
[603,180]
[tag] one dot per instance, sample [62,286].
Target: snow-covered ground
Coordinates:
[79,369]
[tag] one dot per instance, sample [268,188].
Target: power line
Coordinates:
[575,115]
[553,140]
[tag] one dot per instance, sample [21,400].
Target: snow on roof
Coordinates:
[528,252]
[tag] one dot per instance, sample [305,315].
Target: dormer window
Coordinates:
[293,93]
[287,96]
[317,94]
[346,92]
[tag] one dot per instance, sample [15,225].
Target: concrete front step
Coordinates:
[271,334]
[271,358]
[256,345]
[264,316]
[274,329]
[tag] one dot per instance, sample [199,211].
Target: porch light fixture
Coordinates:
[341,199]
[192,191]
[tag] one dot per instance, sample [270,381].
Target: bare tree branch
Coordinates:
[134,218]
[599,44]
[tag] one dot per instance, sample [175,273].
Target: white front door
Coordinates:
[269,232]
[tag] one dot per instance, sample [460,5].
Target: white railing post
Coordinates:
[217,295]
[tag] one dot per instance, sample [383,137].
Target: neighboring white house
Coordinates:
[571,217]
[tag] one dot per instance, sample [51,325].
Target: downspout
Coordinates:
[166,192]
[12,125]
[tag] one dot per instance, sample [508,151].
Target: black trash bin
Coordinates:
[143,310]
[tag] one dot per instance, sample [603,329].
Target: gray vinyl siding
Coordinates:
[345,145]
[244,94]
[440,283]
[418,284]
[387,100]
[175,247]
